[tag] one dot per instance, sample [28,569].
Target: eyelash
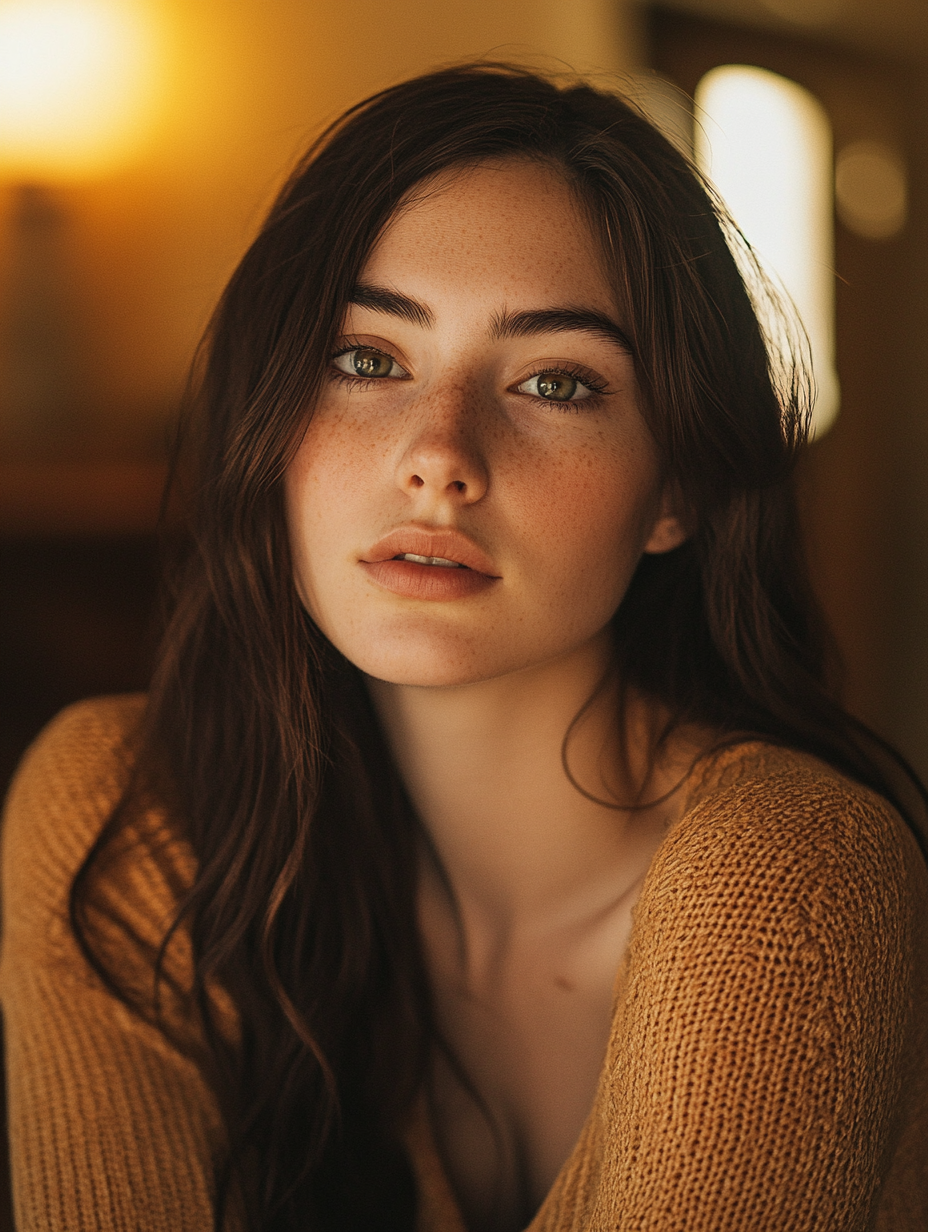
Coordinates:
[596,386]
[358,382]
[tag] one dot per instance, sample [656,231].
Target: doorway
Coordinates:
[863,485]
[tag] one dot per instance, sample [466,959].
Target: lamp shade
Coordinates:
[77,86]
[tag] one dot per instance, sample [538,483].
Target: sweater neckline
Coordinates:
[710,773]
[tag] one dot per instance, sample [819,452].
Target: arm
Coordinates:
[110,1126]
[761,1035]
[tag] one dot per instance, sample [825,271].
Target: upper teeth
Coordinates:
[431,560]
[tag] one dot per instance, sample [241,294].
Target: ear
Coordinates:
[670,527]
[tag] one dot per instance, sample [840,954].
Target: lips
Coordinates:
[429,564]
[445,545]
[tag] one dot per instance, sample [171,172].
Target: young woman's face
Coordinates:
[477,483]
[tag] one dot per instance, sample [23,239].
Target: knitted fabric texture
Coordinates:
[767,1068]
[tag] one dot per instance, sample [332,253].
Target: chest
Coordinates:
[527,1030]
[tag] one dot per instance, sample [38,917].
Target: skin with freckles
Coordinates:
[562,497]
[472,495]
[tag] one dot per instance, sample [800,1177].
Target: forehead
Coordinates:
[509,230]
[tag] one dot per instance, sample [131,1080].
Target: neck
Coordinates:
[515,840]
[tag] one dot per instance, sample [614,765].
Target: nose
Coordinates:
[444,457]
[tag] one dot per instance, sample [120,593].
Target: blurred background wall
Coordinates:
[108,274]
[238,87]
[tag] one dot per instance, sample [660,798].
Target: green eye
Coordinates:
[557,388]
[371,363]
[368,364]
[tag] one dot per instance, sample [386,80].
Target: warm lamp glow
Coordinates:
[77,84]
[765,143]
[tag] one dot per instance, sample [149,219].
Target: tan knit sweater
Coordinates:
[767,1068]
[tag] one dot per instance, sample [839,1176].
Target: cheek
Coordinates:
[567,519]
[335,456]
[323,488]
[589,516]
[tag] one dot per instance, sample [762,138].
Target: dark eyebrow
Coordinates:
[382,299]
[505,325]
[561,320]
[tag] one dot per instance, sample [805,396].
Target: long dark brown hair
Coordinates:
[259,742]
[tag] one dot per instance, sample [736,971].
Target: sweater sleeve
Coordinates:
[756,1064]
[111,1127]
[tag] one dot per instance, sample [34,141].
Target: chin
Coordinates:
[433,661]
[440,678]
[428,671]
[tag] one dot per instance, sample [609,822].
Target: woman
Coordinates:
[493,630]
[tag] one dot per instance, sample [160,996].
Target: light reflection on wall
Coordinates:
[765,142]
[871,192]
